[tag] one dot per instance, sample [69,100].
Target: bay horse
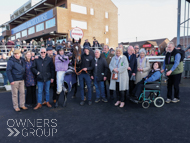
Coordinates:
[74,51]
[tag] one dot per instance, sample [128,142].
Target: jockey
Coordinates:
[61,65]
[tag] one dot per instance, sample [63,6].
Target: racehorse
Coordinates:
[70,80]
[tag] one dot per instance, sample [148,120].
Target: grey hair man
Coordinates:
[132,69]
[173,66]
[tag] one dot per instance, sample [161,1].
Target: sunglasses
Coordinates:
[43,52]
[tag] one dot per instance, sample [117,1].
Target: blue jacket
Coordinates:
[15,69]
[154,77]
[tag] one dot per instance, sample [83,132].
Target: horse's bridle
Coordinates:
[75,66]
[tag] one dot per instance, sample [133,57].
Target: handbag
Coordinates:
[133,78]
[115,75]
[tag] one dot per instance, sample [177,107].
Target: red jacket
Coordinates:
[10,43]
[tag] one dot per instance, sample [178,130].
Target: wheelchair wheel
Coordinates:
[145,104]
[159,102]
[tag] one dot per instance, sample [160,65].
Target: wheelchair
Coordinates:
[153,88]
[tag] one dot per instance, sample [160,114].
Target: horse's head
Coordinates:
[77,51]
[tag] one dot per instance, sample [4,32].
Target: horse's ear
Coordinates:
[79,40]
[73,40]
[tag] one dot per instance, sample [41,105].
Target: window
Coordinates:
[39,27]
[18,35]
[50,23]
[107,40]
[80,24]
[31,30]
[12,38]
[24,33]
[106,14]
[91,11]
[107,28]
[78,9]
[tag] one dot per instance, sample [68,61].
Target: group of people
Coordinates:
[123,72]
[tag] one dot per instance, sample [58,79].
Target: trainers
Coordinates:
[175,100]
[168,100]
[89,102]
[97,100]
[104,100]
[82,103]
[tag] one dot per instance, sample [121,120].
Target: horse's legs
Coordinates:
[65,99]
[75,90]
[57,99]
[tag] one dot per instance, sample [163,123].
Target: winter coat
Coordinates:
[9,43]
[146,68]
[132,63]
[61,63]
[30,79]
[123,74]
[41,44]
[15,69]
[50,43]
[86,44]
[101,69]
[86,62]
[108,60]
[45,67]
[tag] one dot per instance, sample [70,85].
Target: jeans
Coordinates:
[86,77]
[60,79]
[4,77]
[40,90]
[99,88]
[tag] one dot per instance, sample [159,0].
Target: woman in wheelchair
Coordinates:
[154,75]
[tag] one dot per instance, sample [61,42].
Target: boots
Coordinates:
[56,101]
[48,105]
[38,106]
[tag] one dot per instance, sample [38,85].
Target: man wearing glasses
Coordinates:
[44,69]
[136,47]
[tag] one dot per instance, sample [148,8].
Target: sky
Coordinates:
[137,19]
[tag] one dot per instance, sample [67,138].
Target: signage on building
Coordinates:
[41,18]
[77,33]
[147,45]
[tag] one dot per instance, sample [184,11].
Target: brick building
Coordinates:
[56,19]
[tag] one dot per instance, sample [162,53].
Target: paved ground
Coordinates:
[99,123]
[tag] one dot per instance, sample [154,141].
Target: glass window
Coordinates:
[31,30]
[18,35]
[39,27]
[106,14]
[107,28]
[92,11]
[24,33]
[50,23]
[12,38]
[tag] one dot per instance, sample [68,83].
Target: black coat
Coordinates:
[86,44]
[50,43]
[86,62]
[102,68]
[45,67]
[15,69]
[132,63]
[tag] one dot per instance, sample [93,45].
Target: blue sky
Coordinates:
[144,19]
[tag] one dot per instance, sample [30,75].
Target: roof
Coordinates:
[155,42]
[182,40]
[34,11]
